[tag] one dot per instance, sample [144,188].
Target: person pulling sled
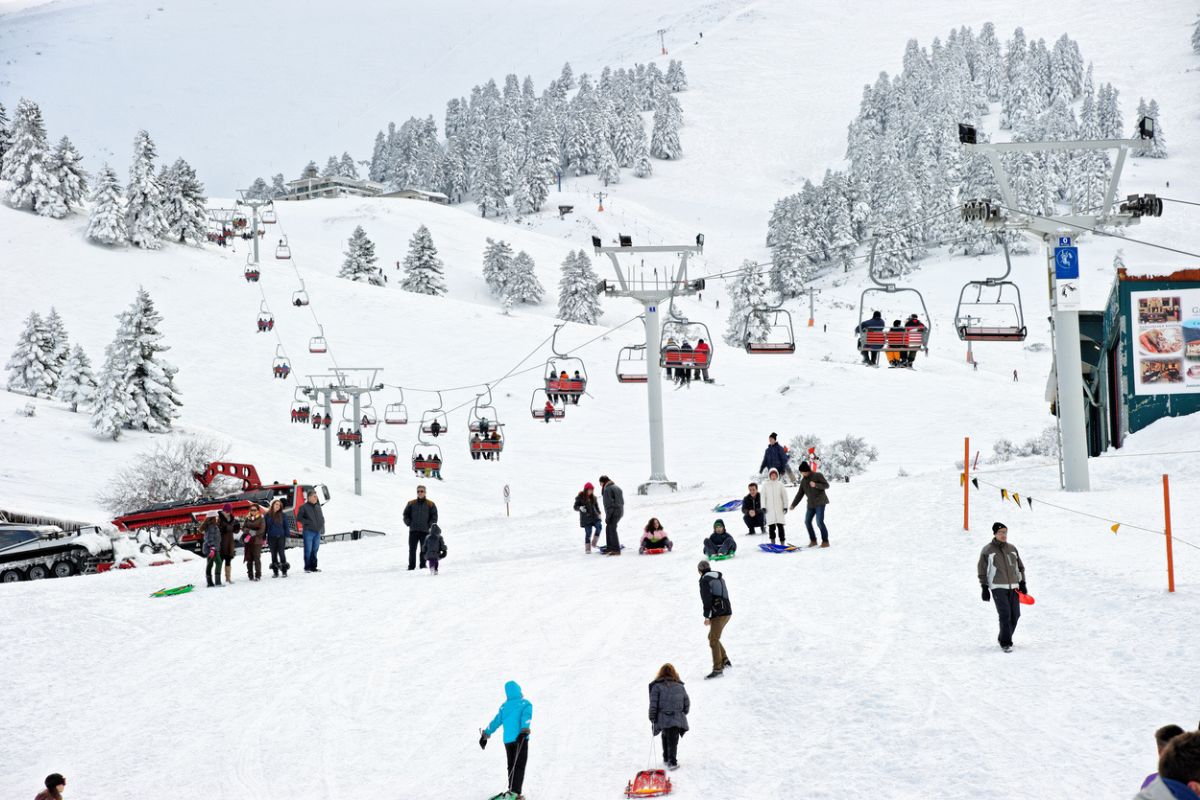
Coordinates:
[515,715]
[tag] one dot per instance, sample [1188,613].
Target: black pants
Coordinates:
[278,546]
[517,754]
[773,527]
[1009,610]
[416,543]
[754,522]
[670,741]
[611,540]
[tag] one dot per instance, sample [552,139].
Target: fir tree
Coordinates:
[258,190]
[333,168]
[1158,145]
[747,295]
[361,264]
[607,169]
[27,165]
[536,192]
[523,285]
[375,171]
[346,167]
[1108,112]
[1196,35]
[112,406]
[577,297]
[106,224]
[278,187]
[497,265]
[642,166]
[29,368]
[68,174]
[5,135]
[567,79]
[150,380]
[422,268]
[184,205]
[76,384]
[59,347]
[664,140]
[676,78]
[144,197]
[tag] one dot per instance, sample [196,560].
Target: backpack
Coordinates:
[720,594]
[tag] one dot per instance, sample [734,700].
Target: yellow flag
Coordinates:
[1115,526]
[1017,498]
[1004,494]
[962,478]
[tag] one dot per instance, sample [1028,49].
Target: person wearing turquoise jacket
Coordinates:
[515,715]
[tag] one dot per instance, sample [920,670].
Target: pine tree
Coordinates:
[535,192]
[278,187]
[258,190]
[144,197]
[523,285]
[1108,112]
[1196,35]
[27,165]
[422,268]
[577,297]
[150,380]
[106,224]
[676,78]
[333,168]
[1158,145]
[184,205]
[664,140]
[68,174]
[346,167]
[747,293]
[59,347]
[310,170]
[607,169]
[32,360]
[497,265]
[76,384]
[567,79]
[112,406]
[5,135]
[642,166]
[361,263]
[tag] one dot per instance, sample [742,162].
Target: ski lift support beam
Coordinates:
[352,381]
[253,203]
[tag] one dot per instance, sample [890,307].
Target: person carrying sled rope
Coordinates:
[775,456]
[1178,771]
[775,501]
[752,511]
[812,488]
[515,715]
[420,515]
[434,548]
[719,543]
[669,707]
[589,516]
[614,509]
[714,595]
[1001,576]
[654,537]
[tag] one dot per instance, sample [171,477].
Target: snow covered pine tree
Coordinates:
[497,265]
[144,197]
[137,387]
[27,165]
[184,205]
[423,269]
[76,384]
[28,368]
[106,224]
[577,298]
[361,263]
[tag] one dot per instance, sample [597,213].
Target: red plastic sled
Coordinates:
[653,551]
[1024,599]
[649,783]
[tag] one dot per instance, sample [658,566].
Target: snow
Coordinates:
[867,667]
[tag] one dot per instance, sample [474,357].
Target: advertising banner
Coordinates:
[1166,341]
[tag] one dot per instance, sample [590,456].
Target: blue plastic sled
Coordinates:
[767,547]
[732,505]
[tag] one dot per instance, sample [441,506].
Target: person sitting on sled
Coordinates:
[654,537]
[719,543]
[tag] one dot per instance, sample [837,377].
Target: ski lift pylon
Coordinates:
[1006,308]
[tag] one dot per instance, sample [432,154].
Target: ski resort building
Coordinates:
[310,188]
[1141,355]
[420,194]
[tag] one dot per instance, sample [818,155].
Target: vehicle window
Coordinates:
[10,538]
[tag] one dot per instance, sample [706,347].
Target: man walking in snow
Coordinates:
[311,518]
[419,515]
[614,509]
[812,488]
[714,594]
[1001,577]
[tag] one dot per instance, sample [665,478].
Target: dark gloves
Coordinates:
[986,595]
[483,737]
[1021,588]
[524,733]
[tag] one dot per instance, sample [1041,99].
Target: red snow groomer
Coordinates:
[181,520]
[649,783]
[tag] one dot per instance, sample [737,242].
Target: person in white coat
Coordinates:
[775,503]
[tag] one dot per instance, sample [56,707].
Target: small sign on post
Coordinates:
[507,497]
[1066,274]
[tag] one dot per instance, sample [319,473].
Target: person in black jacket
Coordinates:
[419,515]
[311,519]
[752,511]
[589,516]
[669,707]
[714,594]
[719,542]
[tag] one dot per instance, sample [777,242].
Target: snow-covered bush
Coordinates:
[1003,450]
[164,474]
[1044,444]
[798,448]
[848,457]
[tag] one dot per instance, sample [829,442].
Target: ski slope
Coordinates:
[870,667]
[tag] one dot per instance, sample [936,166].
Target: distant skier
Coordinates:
[714,594]
[1001,575]
[515,715]
[434,548]
[614,509]
[420,515]
[669,707]
[55,783]
[752,511]
[654,537]
[775,501]
[1014,376]
[812,488]
[589,516]
[311,518]
[719,543]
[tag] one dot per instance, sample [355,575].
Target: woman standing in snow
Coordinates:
[228,525]
[277,533]
[669,707]
[212,551]
[589,516]
[254,527]
[775,501]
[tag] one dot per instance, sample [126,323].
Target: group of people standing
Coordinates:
[765,508]
[588,506]
[271,526]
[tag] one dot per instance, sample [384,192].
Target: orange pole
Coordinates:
[1167,513]
[967,483]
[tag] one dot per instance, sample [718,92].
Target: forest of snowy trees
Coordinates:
[905,162]
[169,204]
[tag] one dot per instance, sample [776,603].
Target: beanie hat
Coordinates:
[804,467]
[704,567]
[228,507]
[588,485]
[719,524]
[774,435]
[604,479]
[54,780]
[997,526]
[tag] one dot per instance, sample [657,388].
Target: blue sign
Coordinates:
[1064,241]
[1066,262]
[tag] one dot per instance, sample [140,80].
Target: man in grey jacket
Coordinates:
[311,519]
[614,509]
[1001,577]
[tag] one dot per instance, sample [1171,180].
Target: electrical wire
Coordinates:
[1100,232]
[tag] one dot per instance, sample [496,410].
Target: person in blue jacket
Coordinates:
[776,457]
[515,715]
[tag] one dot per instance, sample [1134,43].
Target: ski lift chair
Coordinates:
[282,251]
[383,455]
[781,336]
[679,329]
[1002,305]
[252,274]
[422,458]
[488,445]
[572,387]
[268,216]
[300,296]
[317,344]
[878,339]
[631,364]
[537,406]
[395,414]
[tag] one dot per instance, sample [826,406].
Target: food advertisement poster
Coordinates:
[1166,341]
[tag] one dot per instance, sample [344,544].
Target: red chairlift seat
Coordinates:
[763,348]
[975,333]
[252,275]
[907,340]
[568,386]
[698,359]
